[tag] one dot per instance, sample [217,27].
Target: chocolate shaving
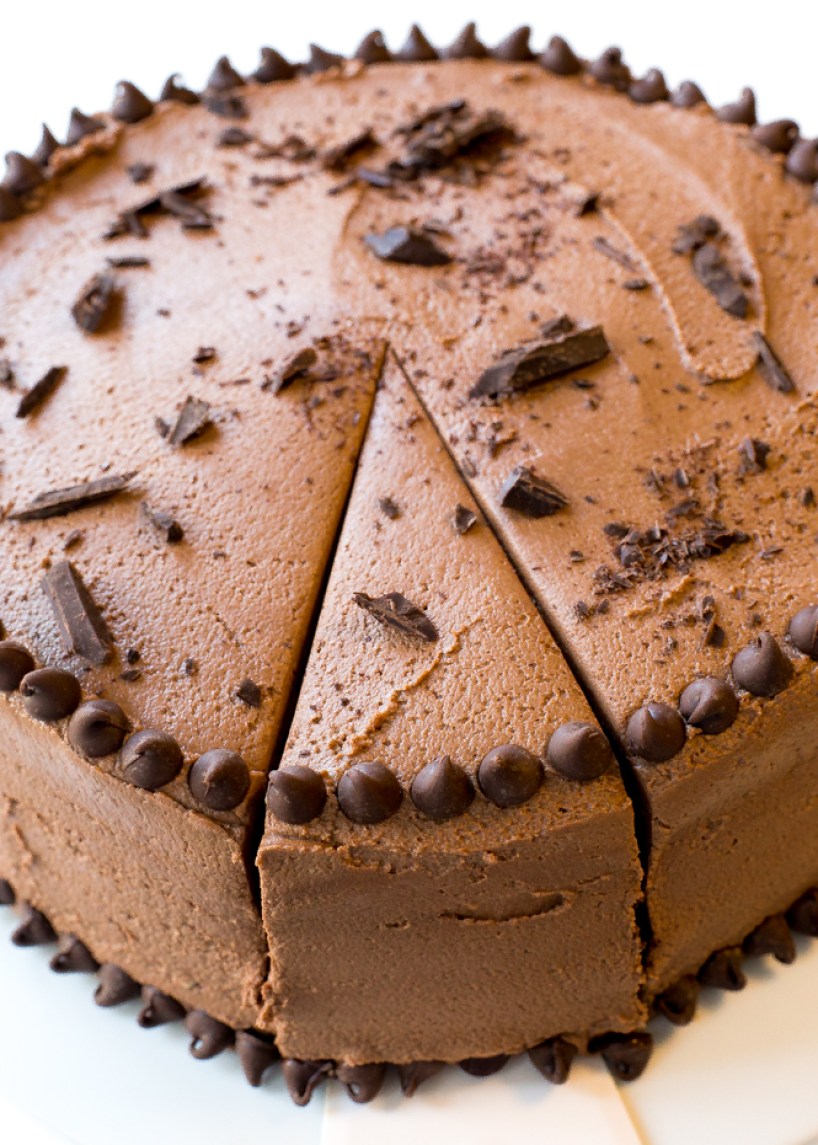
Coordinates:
[650,553]
[531,495]
[193,216]
[772,368]
[395,611]
[59,502]
[178,201]
[81,624]
[753,455]
[607,248]
[96,303]
[233,137]
[519,370]
[463,519]
[168,526]
[249,693]
[128,261]
[41,391]
[715,275]
[194,418]
[407,245]
[295,367]
[338,158]
[691,236]
[446,134]
[204,354]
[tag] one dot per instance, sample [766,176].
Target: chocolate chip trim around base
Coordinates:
[25,177]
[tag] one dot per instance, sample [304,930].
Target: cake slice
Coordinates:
[429,892]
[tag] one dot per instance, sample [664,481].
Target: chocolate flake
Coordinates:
[81,624]
[714,274]
[691,236]
[95,304]
[463,519]
[203,355]
[168,526]
[249,693]
[446,133]
[519,370]
[772,368]
[179,201]
[531,495]
[753,454]
[338,158]
[601,244]
[395,611]
[295,367]
[194,418]
[407,245]
[58,502]
[40,392]
[128,262]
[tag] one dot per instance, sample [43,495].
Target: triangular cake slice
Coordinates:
[433,887]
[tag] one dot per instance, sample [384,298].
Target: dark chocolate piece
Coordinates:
[98,728]
[303,1078]
[723,970]
[416,48]
[678,1002]
[194,418]
[803,632]
[519,370]
[50,693]
[362,1082]
[761,667]
[772,936]
[611,70]
[803,914]
[483,1067]
[10,206]
[407,245]
[321,60]
[560,58]
[80,125]
[224,76]
[150,758]
[257,1053]
[296,794]
[272,67]
[802,161]
[709,704]
[46,147]
[442,790]
[219,779]
[778,136]
[158,1009]
[59,502]
[249,693]
[34,928]
[73,957]
[530,495]
[715,275]
[395,611]
[210,1036]
[168,526]
[655,732]
[96,303]
[41,391]
[15,662]
[742,111]
[509,775]
[22,174]
[554,1058]
[413,1074]
[7,895]
[516,47]
[466,46]
[130,104]
[368,793]
[339,157]
[691,236]
[687,94]
[176,93]
[771,367]
[115,986]
[625,1055]
[579,751]
[754,454]
[81,625]
[295,367]
[372,49]
[463,519]
[193,216]
[651,88]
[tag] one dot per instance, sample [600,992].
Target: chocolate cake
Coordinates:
[409,623]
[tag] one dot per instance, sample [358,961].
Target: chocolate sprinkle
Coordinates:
[22,174]
[194,418]
[463,519]
[273,67]
[655,732]
[678,1002]
[803,914]
[41,391]
[723,970]
[772,936]
[442,790]
[761,667]
[164,523]
[96,303]
[625,1055]
[7,895]
[210,1036]
[362,1082]
[516,47]
[742,111]
[80,125]
[560,59]
[368,793]
[803,632]
[509,775]
[709,704]
[130,104]
[517,371]
[553,1058]
[158,1009]
[150,759]
[115,986]
[98,728]
[15,662]
[771,367]
[714,274]
[296,794]
[59,502]
[579,751]
[414,1074]
[34,928]
[395,611]
[417,48]
[73,957]
[304,1077]
[530,495]
[82,628]
[50,693]
[219,779]
[256,1053]
[483,1067]
[407,245]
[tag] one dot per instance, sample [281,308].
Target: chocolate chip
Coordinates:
[50,693]
[172,91]
[722,970]
[678,1002]
[158,1009]
[483,1067]
[515,48]
[803,632]
[22,174]
[193,419]
[463,519]
[41,391]
[73,957]
[303,1078]
[579,751]
[802,161]
[321,60]
[395,611]
[150,759]
[772,936]
[130,104]
[98,728]
[414,1074]
[224,76]
[417,48]
[369,793]
[96,304]
[651,88]
[45,148]
[778,136]
[81,125]
[560,59]
[553,1058]
[625,1055]
[709,704]
[81,625]
[754,454]
[219,779]
[372,49]
[509,775]
[687,94]
[517,371]
[742,111]
[803,914]
[442,790]
[362,1082]
[295,367]
[210,1036]
[761,667]
[115,986]
[339,157]
[7,895]
[15,662]
[715,276]
[610,69]
[10,206]
[296,794]
[407,245]
[467,46]
[655,732]
[530,495]
[771,367]
[34,928]
[273,67]
[256,1053]
[164,523]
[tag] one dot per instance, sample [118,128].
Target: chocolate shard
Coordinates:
[362,1082]
[256,1054]
[194,418]
[304,1077]
[678,1002]
[530,495]
[59,502]
[715,275]
[72,957]
[338,158]
[210,1036]
[130,104]
[41,391]
[395,611]
[115,986]
[463,519]
[372,49]
[164,523]
[772,936]
[46,147]
[772,369]
[158,1009]
[80,125]
[22,174]
[407,245]
[519,370]
[96,303]
[723,970]
[273,67]
[295,367]
[416,48]
[176,93]
[553,1058]
[34,928]
[516,47]
[414,1074]
[82,627]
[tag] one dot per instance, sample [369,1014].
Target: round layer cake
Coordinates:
[409,624]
